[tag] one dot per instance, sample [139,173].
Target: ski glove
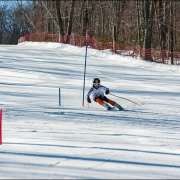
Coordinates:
[88,100]
[107,91]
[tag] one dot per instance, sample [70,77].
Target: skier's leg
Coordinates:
[102,103]
[113,103]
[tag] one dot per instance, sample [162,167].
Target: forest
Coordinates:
[145,24]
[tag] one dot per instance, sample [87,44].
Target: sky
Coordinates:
[10,3]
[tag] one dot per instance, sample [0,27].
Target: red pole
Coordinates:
[0,126]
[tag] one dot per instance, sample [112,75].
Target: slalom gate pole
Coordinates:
[59,96]
[125,99]
[85,69]
[0,126]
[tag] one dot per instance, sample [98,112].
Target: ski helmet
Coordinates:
[96,80]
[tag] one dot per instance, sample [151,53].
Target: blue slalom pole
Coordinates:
[85,69]
[59,96]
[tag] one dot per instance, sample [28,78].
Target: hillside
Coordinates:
[44,140]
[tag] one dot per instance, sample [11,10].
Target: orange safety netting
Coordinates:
[161,56]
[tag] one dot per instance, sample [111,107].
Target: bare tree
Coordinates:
[148,14]
[163,26]
[70,22]
[61,26]
[171,32]
[2,22]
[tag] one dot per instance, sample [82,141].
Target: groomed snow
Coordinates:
[42,140]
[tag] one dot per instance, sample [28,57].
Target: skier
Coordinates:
[97,93]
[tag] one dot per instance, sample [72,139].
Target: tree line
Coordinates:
[144,23]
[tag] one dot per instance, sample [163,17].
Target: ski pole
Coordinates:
[125,99]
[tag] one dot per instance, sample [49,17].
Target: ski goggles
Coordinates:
[96,84]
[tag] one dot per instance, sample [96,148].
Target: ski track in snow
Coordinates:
[43,140]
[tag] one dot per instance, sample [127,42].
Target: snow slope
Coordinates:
[42,140]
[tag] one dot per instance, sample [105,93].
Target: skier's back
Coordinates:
[97,92]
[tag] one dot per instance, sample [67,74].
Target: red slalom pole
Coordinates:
[0,126]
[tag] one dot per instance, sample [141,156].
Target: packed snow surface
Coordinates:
[44,140]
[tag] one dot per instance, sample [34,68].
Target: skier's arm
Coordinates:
[88,99]
[106,90]
[88,95]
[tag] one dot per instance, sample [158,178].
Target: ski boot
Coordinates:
[108,107]
[120,108]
